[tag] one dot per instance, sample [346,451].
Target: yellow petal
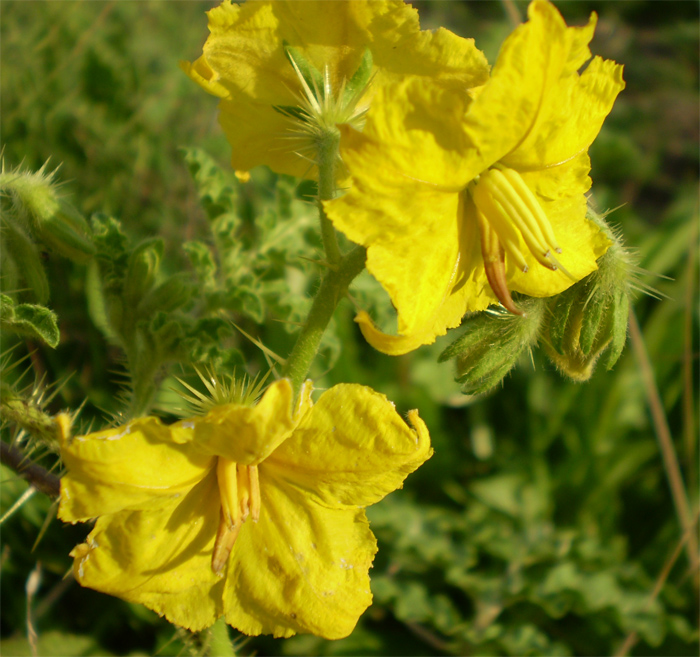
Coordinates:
[160,558]
[247,435]
[301,568]
[137,466]
[262,140]
[525,85]
[351,449]
[243,62]
[568,124]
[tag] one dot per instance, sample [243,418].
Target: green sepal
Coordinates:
[560,309]
[620,316]
[297,113]
[312,76]
[359,80]
[144,263]
[29,320]
[492,344]
[62,234]
[591,316]
[22,252]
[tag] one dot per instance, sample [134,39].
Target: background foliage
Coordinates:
[544,521]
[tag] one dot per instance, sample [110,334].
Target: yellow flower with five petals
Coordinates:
[253,513]
[246,63]
[461,198]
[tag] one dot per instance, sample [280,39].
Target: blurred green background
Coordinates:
[544,524]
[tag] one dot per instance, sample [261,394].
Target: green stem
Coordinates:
[327,154]
[342,270]
[143,368]
[333,288]
[220,644]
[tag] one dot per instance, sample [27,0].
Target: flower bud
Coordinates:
[51,219]
[590,317]
[62,234]
[492,344]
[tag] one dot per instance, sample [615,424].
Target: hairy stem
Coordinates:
[333,288]
[327,156]
[43,480]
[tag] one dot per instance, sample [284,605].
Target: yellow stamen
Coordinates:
[254,492]
[517,213]
[525,193]
[239,490]
[494,215]
[494,264]
[228,491]
[244,491]
[225,540]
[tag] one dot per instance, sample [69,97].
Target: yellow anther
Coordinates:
[228,492]
[254,492]
[494,264]
[239,490]
[516,212]
[525,193]
[244,491]
[225,540]
[493,214]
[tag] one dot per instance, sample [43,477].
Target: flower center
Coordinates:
[239,490]
[510,214]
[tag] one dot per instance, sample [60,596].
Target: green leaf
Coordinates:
[168,296]
[217,189]
[142,269]
[29,320]
[19,249]
[202,261]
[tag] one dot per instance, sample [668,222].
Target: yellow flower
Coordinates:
[247,63]
[255,513]
[461,198]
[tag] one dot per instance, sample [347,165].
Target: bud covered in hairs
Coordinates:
[590,318]
[492,344]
